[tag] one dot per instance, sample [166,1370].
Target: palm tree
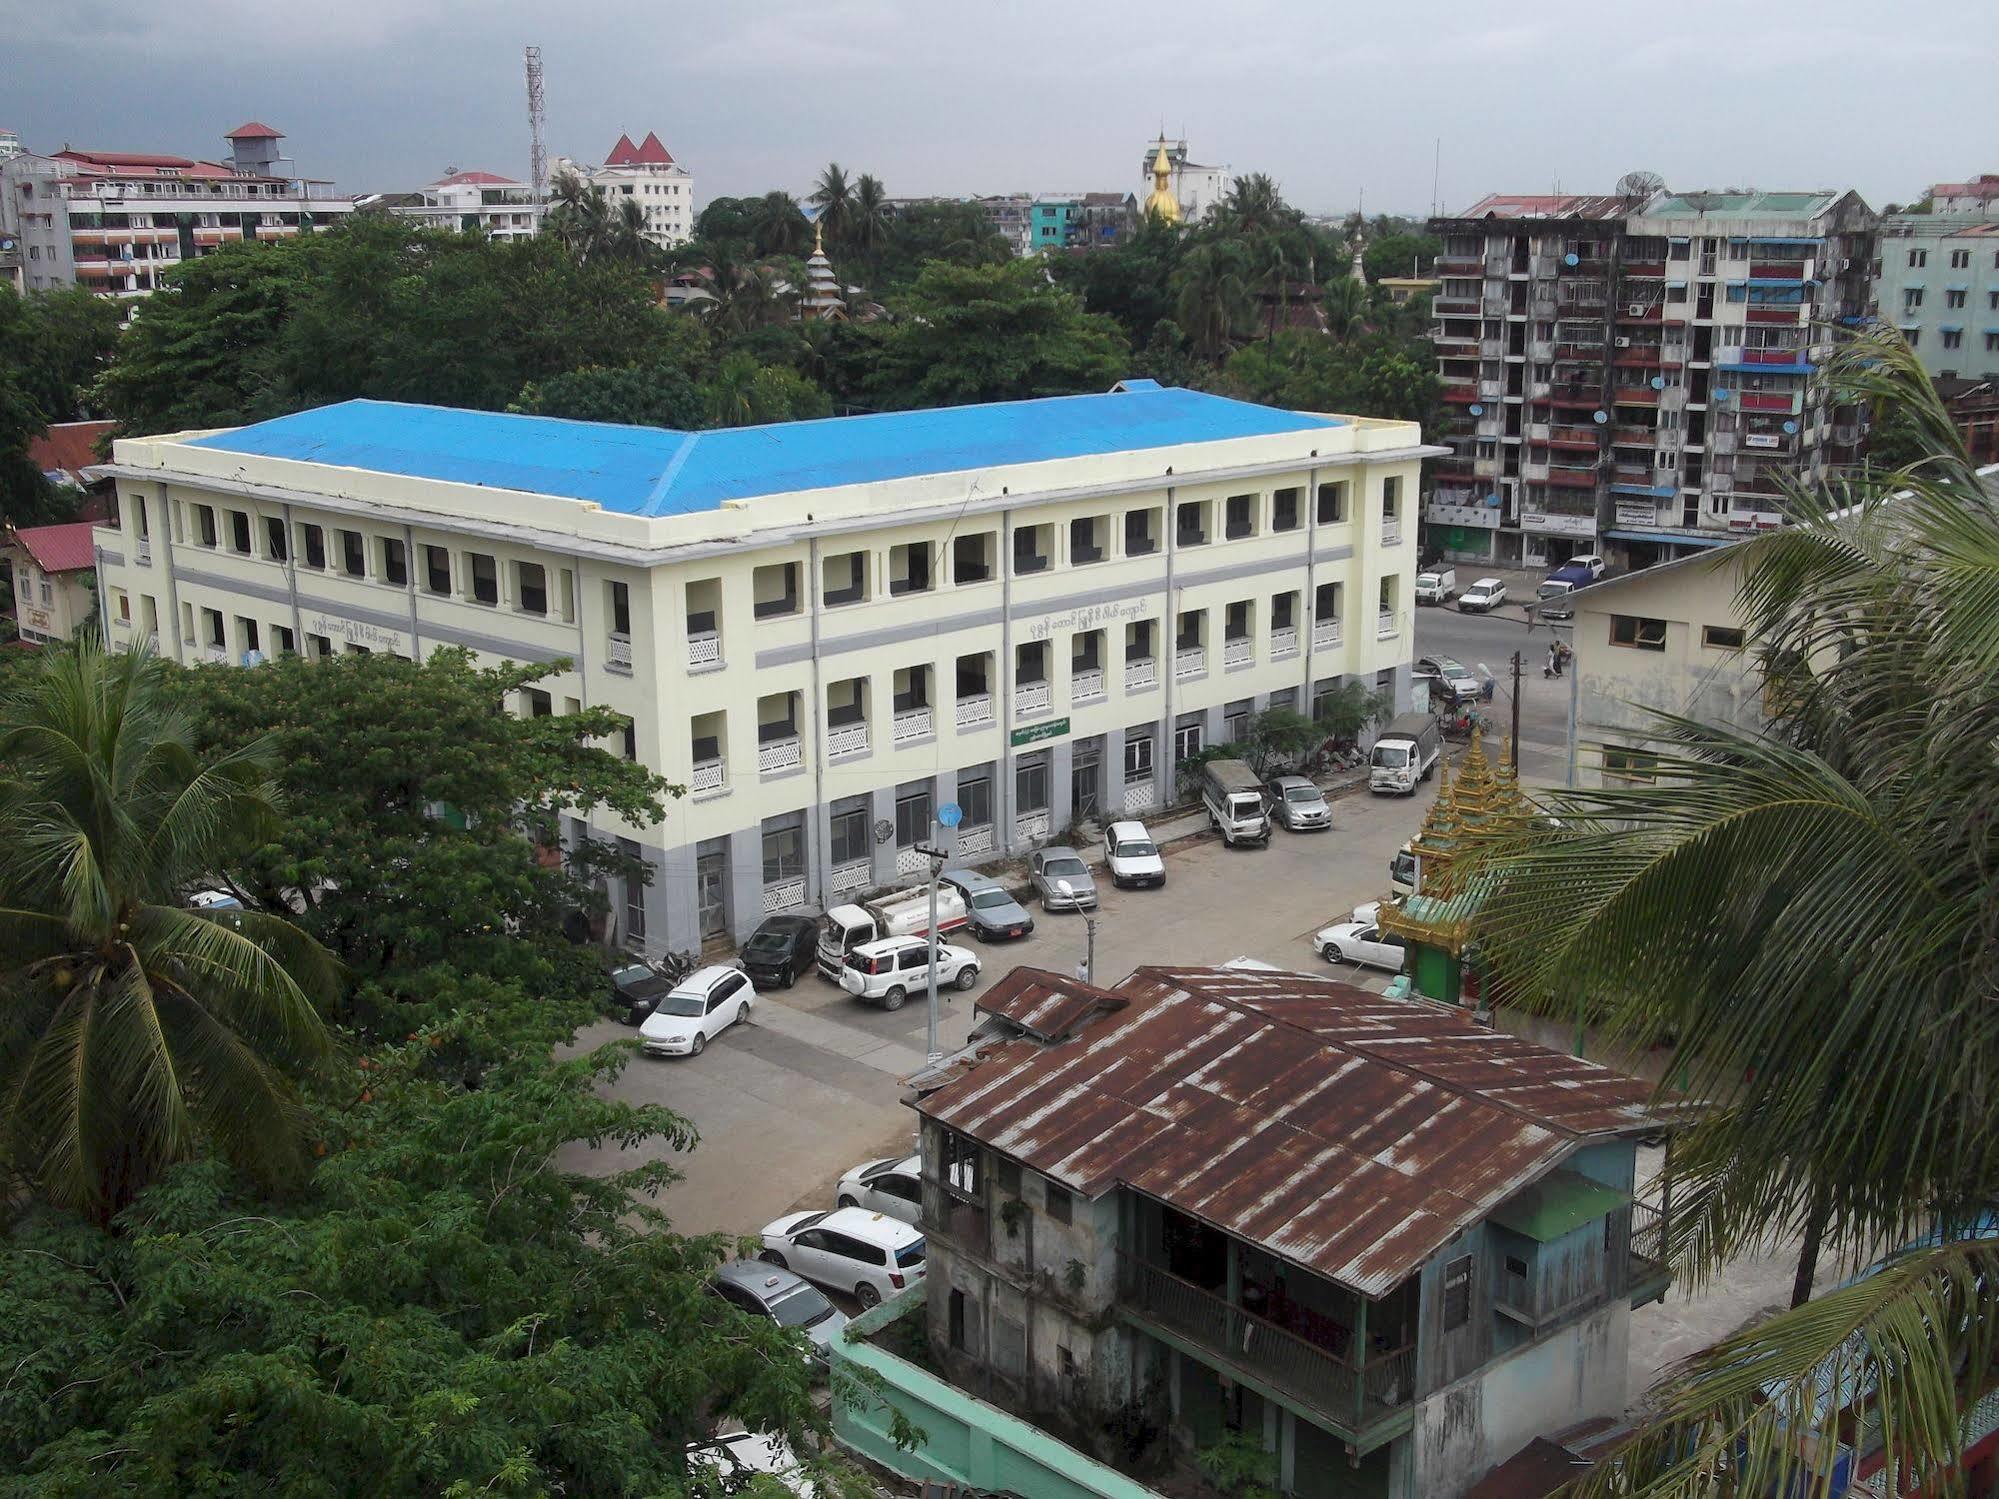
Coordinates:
[1255,206]
[135,1032]
[579,215]
[779,226]
[1346,309]
[835,198]
[625,233]
[870,213]
[1213,297]
[1807,912]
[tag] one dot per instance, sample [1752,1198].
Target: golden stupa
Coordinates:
[1160,200]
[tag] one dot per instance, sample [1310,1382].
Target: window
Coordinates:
[1087,539]
[1635,630]
[1283,611]
[1953,296]
[1189,734]
[849,842]
[353,554]
[283,640]
[485,578]
[1138,752]
[1391,498]
[784,848]
[1236,620]
[239,532]
[1960,260]
[1953,338]
[1235,720]
[1141,532]
[1630,766]
[1457,1292]
[211,621]
[1912,336]
[1030,783]
[1031,548]
[1190,527]
[1059,1206]
[1721,637]
[531,587]
[629,739]
[635,890]
[909,568]
[847,703]
[776,590]
[1912,298]
[246,631]
[957,1334]
[1138,640]
[912,815]
[1009,1177]
[275,540]
[204,524]
[1239,516]
[1193,627]
[972,558]
[536,704]
[1332,503]
[318,645]
[1030,663]
[1326,601]
[844,580]
[1992,340]
[975,798]
[1284,510]
[437,569]
[1919,257]
[620,598]
[1086,651]
[395,562]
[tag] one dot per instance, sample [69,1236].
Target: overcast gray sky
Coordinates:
[1332,98]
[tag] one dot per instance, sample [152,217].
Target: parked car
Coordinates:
[1131,856]
[1360,942]
[1437,585]
[213,900]
[765,1290]
[889,971]
[893,1186]
[1449,678]
[849,1249]
[1404,755]
[991,912]
[1062,880]
[1297,803]
[1589,561]
[900,913]
[637,988]
[1402,871]
[780,950]
[697,1010]
[1482,597]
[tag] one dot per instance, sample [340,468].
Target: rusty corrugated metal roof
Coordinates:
[1046,1005]
[1350,1133]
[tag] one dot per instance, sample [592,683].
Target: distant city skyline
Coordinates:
[1336,103]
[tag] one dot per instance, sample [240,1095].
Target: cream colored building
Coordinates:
[825,631]
[1668,638]
[52,576]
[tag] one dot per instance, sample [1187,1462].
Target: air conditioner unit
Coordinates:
[1624,343]
[1637,309]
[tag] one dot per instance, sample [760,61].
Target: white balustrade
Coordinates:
[1283,643]
[619,655]
[1030,826]
[1138,795]
[1032,697]
[1387,627]
[708,776]
[143,550]
[1086,686]
[1391,532]
[1139,675]
[975,712]
[1238,652]
[975,840]
[911,861]
[704,649]
[848,739]
[776,755]
[218,654]
[1190,663]
[914,723]
[785,895]
[852,877]
[1326,635]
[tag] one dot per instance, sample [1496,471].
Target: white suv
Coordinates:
[1132,856]
[871,1255]
[889,971]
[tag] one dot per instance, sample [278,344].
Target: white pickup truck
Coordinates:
[1437,585]
[904,913]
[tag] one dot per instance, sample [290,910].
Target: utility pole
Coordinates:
[1088,973]
[936,868]
[1513,749]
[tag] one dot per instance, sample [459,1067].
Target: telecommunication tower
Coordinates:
[537,152]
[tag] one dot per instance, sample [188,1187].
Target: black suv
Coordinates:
[779,951]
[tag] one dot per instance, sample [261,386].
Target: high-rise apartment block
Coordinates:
[114,222]
[1631,376]
[647,175]
[1937,278]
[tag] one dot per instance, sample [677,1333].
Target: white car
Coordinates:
[891,970]
[870,1255]
[1131,856]
[1589,560]
[1482,597]
[1360,942]
[893,1186]
[696,1010]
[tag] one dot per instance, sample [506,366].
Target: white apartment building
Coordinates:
[649,176]
[114,222]
[496,206]
[825,631]
[1198,188]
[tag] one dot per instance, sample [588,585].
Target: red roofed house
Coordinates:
[648,175]
[65,451]
[53,567]
[1385,1244]
[114,222]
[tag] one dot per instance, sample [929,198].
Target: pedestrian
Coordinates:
[1554,658]
[1562,654]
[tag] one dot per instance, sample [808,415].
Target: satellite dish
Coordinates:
[1791,427]
[1492,500]
[1639,185]
[1477,410]
[1721,395]
[1658,382]
[1601,417]
[1572,258]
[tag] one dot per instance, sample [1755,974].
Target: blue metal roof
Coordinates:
[1672,538]
[652,471]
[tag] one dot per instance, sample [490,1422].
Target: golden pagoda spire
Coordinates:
[1160,200]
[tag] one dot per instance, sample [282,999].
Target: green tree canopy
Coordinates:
[1370,376]
[1401,255]
[993,333]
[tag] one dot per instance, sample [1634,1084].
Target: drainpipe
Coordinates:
[1002,691]
[1308,617]
[821,872]
[409,585]
[1169,647]
[291,578]
[173,582]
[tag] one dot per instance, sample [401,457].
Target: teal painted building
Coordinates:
[1936,278]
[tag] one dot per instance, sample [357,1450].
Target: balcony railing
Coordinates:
[1087,685]
[1283,643]
[785,895]
[914,723]
[851,877]
[1032,697]
[911,861]
[708,776]
[775,756]
[1387,625]
[1391,532]
[1031,826]
[1190,662]
[219,654]
[975,712]
[848,739]
[618,657]
[1238,652]
[143,550]
[1326,635]
[704,649]
[1354,1399]
[1141,674]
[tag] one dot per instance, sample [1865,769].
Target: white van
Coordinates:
[1234,799]
[1404,755]
[1438,586]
